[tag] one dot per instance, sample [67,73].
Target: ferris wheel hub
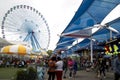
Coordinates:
[29,26]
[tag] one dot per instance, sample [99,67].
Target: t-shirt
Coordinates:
[59,65]
[70,63]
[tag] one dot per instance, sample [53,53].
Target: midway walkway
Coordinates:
[83,75]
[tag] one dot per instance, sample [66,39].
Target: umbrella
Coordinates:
[16,49]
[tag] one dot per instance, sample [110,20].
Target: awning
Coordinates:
[60,48]
[115,24]
[85,33]
[91,12]
[81,44]
[103,35]
[64,42]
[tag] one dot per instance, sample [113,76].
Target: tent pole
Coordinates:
[110,35]
[91,49]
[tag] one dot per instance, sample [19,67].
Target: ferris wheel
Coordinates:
[25,23]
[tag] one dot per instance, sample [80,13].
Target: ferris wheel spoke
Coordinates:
[16,18]
[11,34]
[12,28]
[12,23]
[21,15]
[15,32]
[13,18]
[8,22]
[9,25]
[20,12]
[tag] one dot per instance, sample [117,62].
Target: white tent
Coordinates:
[4,42]
[16,49]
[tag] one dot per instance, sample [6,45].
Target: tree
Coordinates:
[49,52]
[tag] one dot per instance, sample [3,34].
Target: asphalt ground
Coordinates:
[84,75]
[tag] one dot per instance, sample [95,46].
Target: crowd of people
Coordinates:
[12,62]
[103,65]
[100,65]
[58,67]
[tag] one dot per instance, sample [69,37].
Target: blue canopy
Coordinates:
[103,34]
[115,24]
[65,39]
[64,42]
[89,13]
[67,43]
[84,33]
[81,44]
[106,33]
[86,45]
[60,47]
[69,51]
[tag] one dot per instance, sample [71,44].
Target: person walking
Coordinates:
[117,67]
[102,66]
[65,67]
[51,68]
[59,68]
[107,64]
[70,67]
[75,68]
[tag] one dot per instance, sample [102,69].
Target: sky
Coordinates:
[57,13]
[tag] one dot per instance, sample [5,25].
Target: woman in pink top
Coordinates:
[70,66]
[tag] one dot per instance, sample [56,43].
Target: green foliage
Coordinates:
[22,75]
[32,73]
[7,73]
[28,74]
[49,52]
